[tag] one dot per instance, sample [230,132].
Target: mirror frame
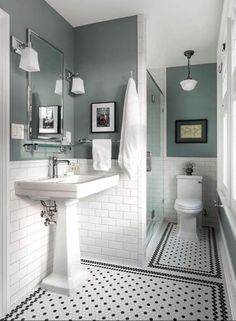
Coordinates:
[30,32]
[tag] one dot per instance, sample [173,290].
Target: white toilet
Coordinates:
[188,205]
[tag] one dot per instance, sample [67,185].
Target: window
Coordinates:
[225,150]
[234,154]
[227,111]
[225,120]
[224,75]
[233,115]
[233,42]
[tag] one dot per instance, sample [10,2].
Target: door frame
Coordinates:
[4,155]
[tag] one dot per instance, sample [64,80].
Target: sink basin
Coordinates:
[68,187]
[68,274]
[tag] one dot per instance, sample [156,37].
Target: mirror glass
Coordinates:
[46,92]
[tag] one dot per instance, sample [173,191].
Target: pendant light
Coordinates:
[188,84]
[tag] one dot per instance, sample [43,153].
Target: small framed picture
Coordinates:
[191,131]
[49,117]
[103,118]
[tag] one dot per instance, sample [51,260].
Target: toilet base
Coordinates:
[187,227]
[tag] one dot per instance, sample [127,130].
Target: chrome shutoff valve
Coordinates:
[49,211]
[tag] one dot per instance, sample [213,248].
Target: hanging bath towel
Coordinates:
[101,154]
[130,143]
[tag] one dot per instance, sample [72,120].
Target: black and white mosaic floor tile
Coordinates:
[187,256]
[116,292]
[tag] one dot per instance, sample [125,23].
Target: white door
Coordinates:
[4,154]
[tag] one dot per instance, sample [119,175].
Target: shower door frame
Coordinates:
[162,90]
[4,156]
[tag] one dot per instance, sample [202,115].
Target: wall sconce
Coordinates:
[188,84]
[29,57]
[77,84]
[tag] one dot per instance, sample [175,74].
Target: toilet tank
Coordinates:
[189,187]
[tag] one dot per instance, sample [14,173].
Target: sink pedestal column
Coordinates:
[67,273]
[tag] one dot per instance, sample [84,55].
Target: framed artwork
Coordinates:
[49,117]
[191,131]
[103,117]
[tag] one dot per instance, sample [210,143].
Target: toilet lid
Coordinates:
[188,203]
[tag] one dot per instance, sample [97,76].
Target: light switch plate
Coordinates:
[17,131]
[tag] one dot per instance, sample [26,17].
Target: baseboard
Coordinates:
[230,277]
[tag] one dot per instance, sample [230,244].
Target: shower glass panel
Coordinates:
[155,191]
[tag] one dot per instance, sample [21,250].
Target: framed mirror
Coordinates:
[45,92]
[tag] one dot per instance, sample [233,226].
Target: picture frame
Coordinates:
[103,117]
[49,120]
[191,131]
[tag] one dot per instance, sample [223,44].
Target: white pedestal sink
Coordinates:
[67,272]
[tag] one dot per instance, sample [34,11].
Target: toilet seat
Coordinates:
[188,204]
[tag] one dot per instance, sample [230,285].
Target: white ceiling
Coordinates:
[173,26]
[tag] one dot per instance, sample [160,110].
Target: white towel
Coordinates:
[131,140]
[102,154]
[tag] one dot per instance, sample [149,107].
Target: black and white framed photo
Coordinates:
[103,118]
[191,131]
[49,117]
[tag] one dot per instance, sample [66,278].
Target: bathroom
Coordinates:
[86,232]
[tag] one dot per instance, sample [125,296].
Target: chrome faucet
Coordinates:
[53,162]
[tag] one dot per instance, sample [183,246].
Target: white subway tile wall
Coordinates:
[155,184]
[109,222]
[206,167]
[30,242]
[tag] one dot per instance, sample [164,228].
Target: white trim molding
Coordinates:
[4,156]
[230,215]
[225,106]
[142,93]
[230,277]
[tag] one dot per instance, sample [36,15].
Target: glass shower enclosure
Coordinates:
[155,180]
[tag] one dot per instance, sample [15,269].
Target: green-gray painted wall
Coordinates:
[39,16]
[201,103]
[106,52]
[229,235]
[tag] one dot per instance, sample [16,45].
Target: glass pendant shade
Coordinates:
[58,88]
[77,86]
[188,84]
[29,59]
